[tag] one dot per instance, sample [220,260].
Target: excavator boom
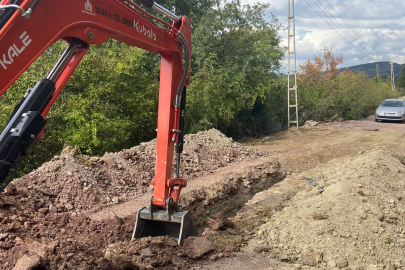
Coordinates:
[29,27]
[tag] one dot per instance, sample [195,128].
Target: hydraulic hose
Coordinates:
[7,13]
[186,68]
[32,7]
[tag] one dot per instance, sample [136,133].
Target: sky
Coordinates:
[376,28]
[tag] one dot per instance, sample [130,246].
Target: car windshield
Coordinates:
[393,103]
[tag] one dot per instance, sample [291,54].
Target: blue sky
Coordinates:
[375,27]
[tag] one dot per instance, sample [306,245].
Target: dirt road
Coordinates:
[310,151]
[324,196]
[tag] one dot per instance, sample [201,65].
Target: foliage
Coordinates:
[110,103]
[112,100]
[236,56]
[327,95]
[401,81]
[194,9]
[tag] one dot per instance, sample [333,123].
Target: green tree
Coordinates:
[401,80]
[325,94]
[236,57]
[194,9]
[111,101]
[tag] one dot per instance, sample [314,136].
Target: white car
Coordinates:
[391,109]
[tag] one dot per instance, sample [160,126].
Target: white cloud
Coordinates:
[375,28]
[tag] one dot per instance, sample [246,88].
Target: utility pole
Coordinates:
[392,76]
[378,75]
[292,68]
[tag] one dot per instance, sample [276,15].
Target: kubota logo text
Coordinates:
[15,50]
[142,29]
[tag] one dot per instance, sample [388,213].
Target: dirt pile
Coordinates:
[80,182]
[349,214]
[44,216]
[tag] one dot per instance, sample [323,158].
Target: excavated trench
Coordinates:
[228,189]
[225,191]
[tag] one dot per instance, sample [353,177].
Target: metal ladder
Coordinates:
[292,73]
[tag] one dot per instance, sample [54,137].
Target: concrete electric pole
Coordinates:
[392,76]
[378,75]
[292,69]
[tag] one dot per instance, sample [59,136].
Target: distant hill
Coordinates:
[384,68]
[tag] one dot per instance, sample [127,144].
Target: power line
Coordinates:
[352,29]
[347,34]
[336,30]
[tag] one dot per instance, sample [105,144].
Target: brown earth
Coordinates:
[329,195]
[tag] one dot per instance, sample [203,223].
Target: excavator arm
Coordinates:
[29,27]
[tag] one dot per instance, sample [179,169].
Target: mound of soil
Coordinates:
[350,214]
[79,182]
[44,216]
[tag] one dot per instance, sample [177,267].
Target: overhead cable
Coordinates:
[340,27]
[334,28]
[352,29]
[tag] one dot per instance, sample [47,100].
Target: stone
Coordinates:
[312,258]
[3,236]
[69,206]
[147,252]
[44,210]
[108,254]
[176,261]
[116,200]
[213,257]
[52,209]
[196,247]
[36,248]
[133,251]
[341,262]
[18,240]
[283,256]
[219,222]
[109,161]
[158,244]
[52,246]
[28,263]
[261,248]
[11,189]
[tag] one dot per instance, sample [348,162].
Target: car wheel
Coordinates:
[375,119]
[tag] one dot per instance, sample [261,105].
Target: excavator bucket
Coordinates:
[163,222]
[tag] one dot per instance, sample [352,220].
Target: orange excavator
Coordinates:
[29,27]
